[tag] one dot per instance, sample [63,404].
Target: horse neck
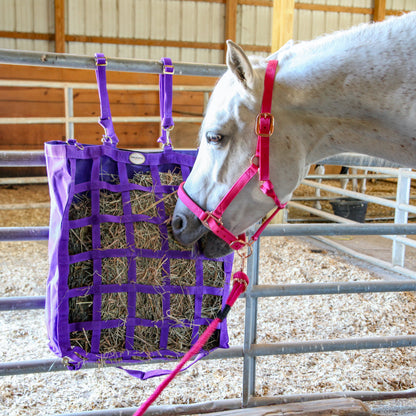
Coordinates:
[351,92]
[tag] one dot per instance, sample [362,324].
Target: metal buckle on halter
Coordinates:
[217,220]
[266,116]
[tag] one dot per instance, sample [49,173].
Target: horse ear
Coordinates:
[239,64]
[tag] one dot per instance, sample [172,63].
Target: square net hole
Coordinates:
[111,203]
[80,206]
[80,309]
[182,272]
[211,305]
[182,307]
[81,339]
[113,340]
[150,271]
[114,270]
[143,179]
[114,306]
[214,274]
[81,274]
[80,240]
[143,203]
[146,339]
[147,236]
[179,339]
[149,306]
[172,177]
[113,235]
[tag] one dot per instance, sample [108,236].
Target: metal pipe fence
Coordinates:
[250,349]
[401,205]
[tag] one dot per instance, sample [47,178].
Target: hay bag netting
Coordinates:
[120,288]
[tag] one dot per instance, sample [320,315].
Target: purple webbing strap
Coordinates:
[105,120]
[165,100]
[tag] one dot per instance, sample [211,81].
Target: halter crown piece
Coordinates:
[264,129]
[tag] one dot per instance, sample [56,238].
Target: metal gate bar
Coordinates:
[57,60]
[278,230]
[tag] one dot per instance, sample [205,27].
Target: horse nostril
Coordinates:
[178,223]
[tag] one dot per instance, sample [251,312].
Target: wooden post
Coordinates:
[230,22]
[282,29]
[379,10]
[60,26]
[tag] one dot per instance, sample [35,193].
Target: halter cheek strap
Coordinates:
[264,129]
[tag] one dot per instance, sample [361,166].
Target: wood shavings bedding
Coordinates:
[23,270]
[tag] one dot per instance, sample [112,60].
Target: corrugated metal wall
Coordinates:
[174,21]
[308,24]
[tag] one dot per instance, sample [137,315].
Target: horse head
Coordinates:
[227,145]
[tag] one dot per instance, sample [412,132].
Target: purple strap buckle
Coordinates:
[165,101]
[109,137]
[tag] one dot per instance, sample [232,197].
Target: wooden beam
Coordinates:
[231,19]
[333,8]
[379,10]
[25,35]
[144,42]
[282,28]
[230,22]
[264,3]
[60,26]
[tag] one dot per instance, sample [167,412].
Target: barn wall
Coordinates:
[185,30]
[181,29]
[49,102]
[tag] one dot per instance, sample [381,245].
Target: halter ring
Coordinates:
[246,244]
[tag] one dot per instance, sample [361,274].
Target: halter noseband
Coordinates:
[264,129]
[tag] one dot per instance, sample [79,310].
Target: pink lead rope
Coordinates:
[212,220]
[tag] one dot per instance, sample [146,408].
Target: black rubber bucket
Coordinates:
[350,208]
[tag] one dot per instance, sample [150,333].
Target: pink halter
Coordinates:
[264,129]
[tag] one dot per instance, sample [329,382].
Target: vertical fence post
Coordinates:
[250,327]
[69,112]
[400,216]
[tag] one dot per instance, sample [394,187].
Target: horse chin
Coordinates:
[213,246]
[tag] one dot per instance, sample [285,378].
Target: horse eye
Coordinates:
[214,138]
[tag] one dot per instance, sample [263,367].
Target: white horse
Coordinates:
[351,91]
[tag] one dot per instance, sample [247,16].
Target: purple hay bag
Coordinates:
[75,168]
